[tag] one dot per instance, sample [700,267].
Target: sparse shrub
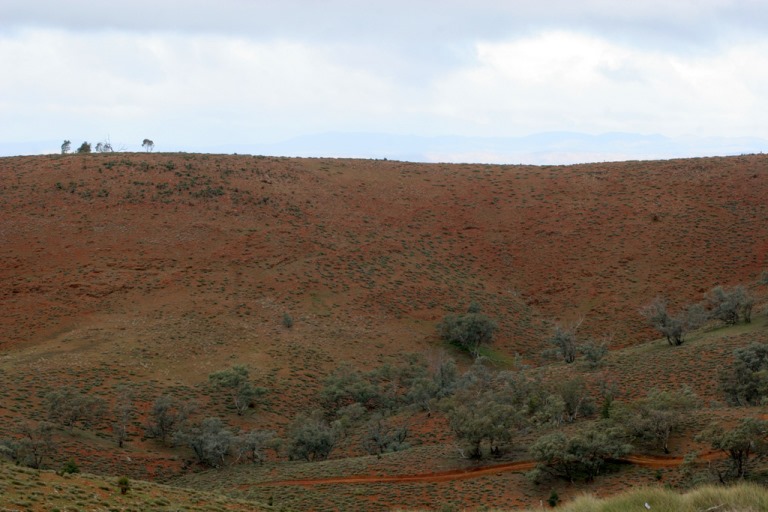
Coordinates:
[287,320]
[123,484]
[70,467]
[553,499]
[85,147]
[594,352]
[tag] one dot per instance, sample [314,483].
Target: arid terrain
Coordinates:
[149,272]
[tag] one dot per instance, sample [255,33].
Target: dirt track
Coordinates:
[648,461]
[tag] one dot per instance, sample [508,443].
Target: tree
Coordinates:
[582,455]
[486,421]
[747,384]
[564,341]
[210,440]
[575,399]
[166,417]
[242,392]
[34,445]
[469,331]
[67,406]
[654,418]
[594,352]
[123,412]
[674,328]
[104,147]
[148,145]
[730,304]
[66,146]
[382,436]
[311,438]
[348,385]
[743,445]
[252,445]
[85,147]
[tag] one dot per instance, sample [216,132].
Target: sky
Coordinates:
[202,75]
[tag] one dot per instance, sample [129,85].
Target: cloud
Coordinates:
[571,81]
[195,72]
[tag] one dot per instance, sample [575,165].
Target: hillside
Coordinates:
[151,271]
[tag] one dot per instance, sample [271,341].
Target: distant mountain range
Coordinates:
[551,148]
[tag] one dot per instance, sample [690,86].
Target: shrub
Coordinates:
[468,331]
[123,484]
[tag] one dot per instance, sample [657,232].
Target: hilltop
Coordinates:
[155,270]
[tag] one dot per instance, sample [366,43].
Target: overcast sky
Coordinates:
[191,74]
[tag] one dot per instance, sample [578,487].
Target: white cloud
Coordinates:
[570,81]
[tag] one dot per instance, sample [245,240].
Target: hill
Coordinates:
[151,271]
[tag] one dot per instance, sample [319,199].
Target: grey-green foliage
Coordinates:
[85,147]
[387,387]
[167,417]
[469,331]
[234,381]
[211,441]
[747,383]
[254,444]
[656,417]
[383,435]
[123,413]
[580,455]
[311,438]
[488,408]
[576,400]
[565,340]
[69,407]
[742,444]
[673,327]
[594,352]
[730,304]
[438,383]
[65,147]
[34,445]
[348,385]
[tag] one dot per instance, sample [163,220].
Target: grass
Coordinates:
[744,497]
